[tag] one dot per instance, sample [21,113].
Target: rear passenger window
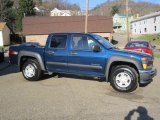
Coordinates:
[58,41]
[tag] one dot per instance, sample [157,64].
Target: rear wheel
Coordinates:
[31,70]
[124,78]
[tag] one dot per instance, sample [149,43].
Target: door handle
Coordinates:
[50,52]
[73,53]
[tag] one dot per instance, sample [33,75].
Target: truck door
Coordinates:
[82,59]
[56,53]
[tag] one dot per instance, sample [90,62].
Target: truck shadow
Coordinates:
[6,68]
[142,114]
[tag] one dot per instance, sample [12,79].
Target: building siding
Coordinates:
[105,35]
[6,36]
[37,38]
[146,26]
[1,38]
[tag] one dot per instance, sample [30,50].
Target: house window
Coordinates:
[144,22]
[145,29]
[140,23]
[155,28]
[135,30]
[140,31]
[155,20]
[135,24]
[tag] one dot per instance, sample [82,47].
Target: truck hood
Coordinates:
[130,53]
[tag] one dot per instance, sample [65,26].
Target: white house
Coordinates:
[37,9]
[57,12]
[4,34]
[148,24]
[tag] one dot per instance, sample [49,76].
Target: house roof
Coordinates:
[63,11]
[46,25]
[2,25]
[147,16]
[55,9]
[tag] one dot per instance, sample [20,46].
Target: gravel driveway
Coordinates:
[73,98]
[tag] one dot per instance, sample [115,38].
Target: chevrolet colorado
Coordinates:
[84,54]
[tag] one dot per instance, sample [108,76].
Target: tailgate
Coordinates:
[13,54]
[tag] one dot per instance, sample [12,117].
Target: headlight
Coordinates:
[147,63]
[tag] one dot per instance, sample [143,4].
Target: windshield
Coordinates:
[103,41]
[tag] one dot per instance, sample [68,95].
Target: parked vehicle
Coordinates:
[87,55]
[141,46]
[1,54]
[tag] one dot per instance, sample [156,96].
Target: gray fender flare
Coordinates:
[121,59]
[31,54]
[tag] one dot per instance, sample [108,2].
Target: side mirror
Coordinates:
[96,48]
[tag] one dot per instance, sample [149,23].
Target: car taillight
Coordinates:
[12,52]
[149,51]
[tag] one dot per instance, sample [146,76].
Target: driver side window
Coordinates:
[82,42]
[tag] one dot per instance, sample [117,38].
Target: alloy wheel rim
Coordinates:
[123,79]
[29,71]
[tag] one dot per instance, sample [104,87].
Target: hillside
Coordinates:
[140,8]
[50,4]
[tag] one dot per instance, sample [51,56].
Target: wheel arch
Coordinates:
[118,60]
[25,55]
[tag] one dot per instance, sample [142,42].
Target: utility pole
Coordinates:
[127,20]
[1,5]
[86,19]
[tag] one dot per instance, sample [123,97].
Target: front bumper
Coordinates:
[146,76]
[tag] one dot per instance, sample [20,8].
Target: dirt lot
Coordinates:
[73,98]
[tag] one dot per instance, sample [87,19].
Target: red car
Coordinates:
[141,46]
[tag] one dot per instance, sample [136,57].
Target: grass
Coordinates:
[157,55]
[155,38]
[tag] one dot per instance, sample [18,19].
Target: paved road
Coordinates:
[73,98]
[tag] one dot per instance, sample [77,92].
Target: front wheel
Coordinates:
[31,70]
[124,78]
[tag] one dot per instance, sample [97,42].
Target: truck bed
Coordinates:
[16,49]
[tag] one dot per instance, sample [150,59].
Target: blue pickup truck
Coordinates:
[84,54]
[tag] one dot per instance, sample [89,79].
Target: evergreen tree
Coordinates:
[7,13]
[115,9]
[25,9]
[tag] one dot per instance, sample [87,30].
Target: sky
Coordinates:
[93,3]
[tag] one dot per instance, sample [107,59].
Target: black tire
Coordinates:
[35,70]
[124,78]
